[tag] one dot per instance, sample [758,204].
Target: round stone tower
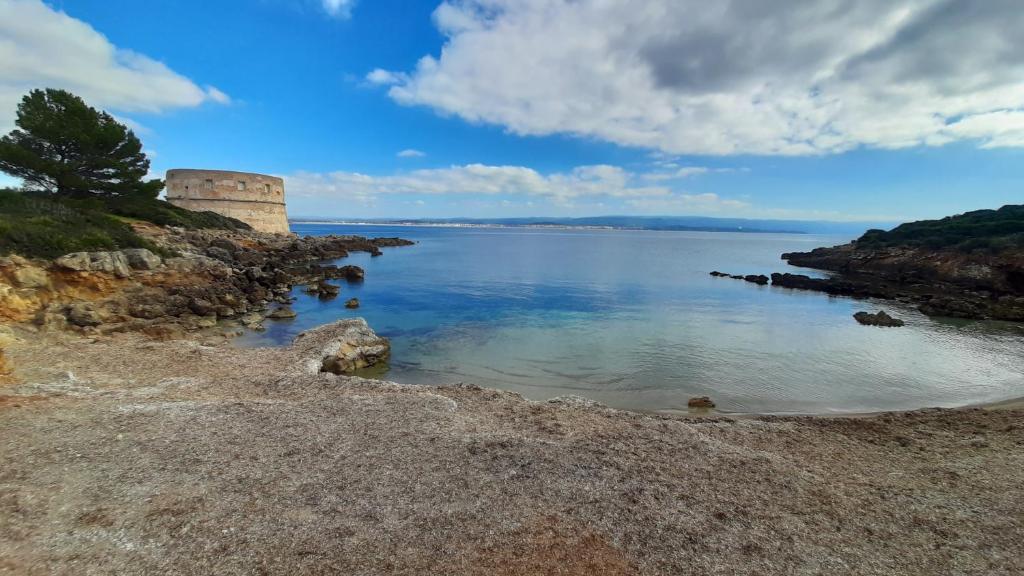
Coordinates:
[255,199]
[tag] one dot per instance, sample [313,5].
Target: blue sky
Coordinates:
[544,107]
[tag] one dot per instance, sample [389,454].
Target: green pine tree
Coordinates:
[64,146]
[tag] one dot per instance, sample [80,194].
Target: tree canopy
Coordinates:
[64,146]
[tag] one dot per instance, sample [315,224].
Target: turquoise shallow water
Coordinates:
[633,320]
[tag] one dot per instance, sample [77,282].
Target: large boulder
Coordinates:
[340,348]
[141,259]
[83,314]
[31,277]
[114,263]
[76,261]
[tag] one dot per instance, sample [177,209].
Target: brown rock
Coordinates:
[700,402]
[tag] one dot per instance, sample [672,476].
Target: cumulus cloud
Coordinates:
[44,48]
[411,153]
[599,181]
[793,77]
[339,8]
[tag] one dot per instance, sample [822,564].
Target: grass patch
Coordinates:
[39,225]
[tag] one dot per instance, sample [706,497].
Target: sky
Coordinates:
[852,110]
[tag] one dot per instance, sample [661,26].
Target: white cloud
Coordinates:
[382,77]
[687,203]
[745,76]
[339,8]
[43,48]
[411,153]
[478,179]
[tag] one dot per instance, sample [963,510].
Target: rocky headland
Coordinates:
[965,266]
[207,279]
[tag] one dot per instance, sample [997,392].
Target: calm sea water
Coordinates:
[633,320]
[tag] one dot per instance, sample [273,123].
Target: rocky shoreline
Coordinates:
[208,280]
[945,283]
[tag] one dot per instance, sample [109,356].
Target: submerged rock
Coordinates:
[700,402]
[352,303]
[759,279]
[880,318]
[282,313]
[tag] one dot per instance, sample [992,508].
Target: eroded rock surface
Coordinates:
[341,347]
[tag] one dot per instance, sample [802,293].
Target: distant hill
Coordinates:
[993,230]
[692,223]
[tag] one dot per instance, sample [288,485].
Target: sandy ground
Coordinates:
[125,456]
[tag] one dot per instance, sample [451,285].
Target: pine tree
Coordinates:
[66,147]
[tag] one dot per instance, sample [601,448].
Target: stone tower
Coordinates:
[255,199]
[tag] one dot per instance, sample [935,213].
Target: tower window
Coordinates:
[266,188]
[208,184]
[241,185]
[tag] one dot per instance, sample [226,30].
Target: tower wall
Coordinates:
[256,199]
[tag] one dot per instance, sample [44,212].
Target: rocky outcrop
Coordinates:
[879,318]
[209,275]
[943,282]
[341,347]
[352,303]
[834,286]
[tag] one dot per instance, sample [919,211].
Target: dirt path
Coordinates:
[125,456]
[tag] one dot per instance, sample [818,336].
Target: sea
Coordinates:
[632,319]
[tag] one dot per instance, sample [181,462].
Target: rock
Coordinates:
[220,254]
[341,348]
[198,263]
[52,317]
[834,286]
[352,303]
[282,313]
[110,262]
[83,314]
[700,402]
[251,320]
[878,319]
[77,261]
[197,322]
[201,307]
[952,307]
[147,311]
[31,277]
[350,273]
[142,259]
[225,245]
[327,291]
[759,279]
[718,274]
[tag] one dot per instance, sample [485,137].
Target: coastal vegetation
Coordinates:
[990,230]
[84,182]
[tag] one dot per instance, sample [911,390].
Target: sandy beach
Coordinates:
[128,456]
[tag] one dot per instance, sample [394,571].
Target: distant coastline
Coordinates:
[652,223]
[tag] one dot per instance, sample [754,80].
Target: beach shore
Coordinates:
[123,455]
